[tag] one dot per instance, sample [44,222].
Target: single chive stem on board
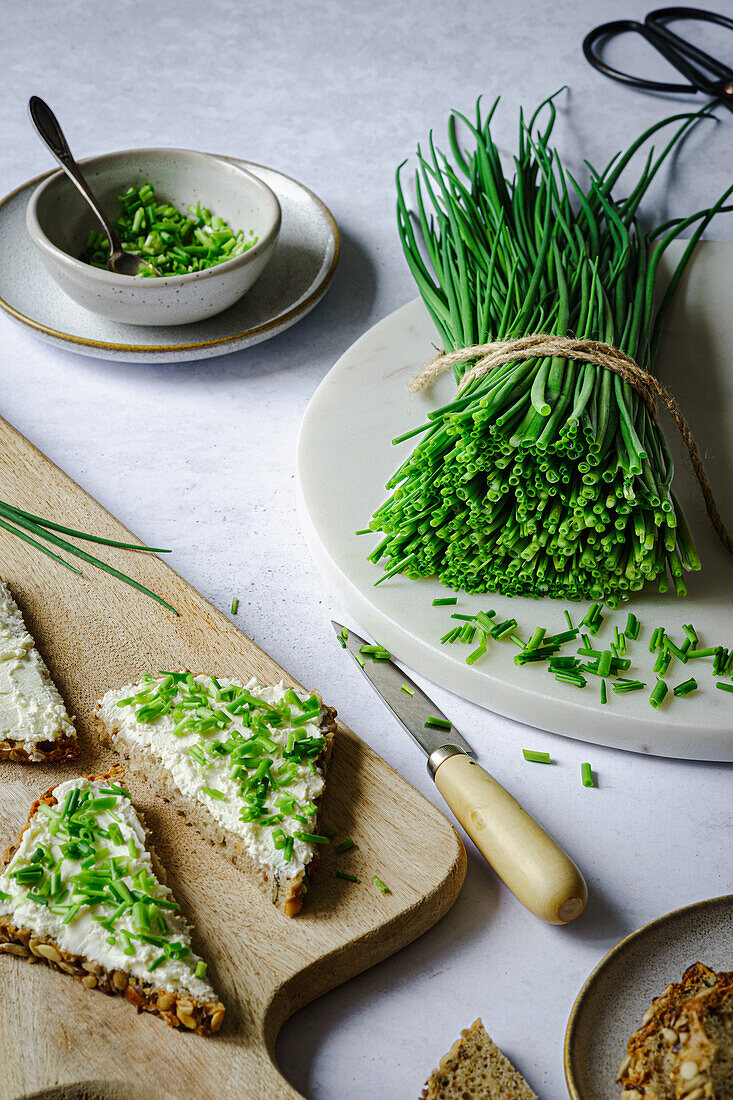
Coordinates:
[536,757]
[438,723]
[586,775]
[380,885]
[345,846]
[346,876]
[686,687]
[235,605]
[407,689]
[448,601]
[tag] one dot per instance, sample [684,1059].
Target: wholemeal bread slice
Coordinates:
[703,1062]
[34,725]
[82,890]
[475,1069]
[245,764]
[645,1072]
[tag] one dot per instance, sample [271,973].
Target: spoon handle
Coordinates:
[52,135]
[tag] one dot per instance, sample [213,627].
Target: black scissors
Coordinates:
[705,73]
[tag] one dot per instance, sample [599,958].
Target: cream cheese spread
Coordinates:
[115,944]
[31,709]
[290,805]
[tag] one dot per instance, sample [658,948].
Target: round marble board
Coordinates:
[345,457]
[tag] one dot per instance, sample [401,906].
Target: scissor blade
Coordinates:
[411,708]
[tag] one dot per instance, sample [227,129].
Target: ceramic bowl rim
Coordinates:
[572,1025]
[110,278]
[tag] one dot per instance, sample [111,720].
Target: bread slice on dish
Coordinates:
[34,725]
[245,763]
[703,1064]
[475,1069]
[82,890]
[646,1073]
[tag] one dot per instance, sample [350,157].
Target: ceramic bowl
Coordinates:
[59,220]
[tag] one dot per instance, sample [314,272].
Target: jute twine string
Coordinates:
[541,345]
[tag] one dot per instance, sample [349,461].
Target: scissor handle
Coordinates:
[685,57]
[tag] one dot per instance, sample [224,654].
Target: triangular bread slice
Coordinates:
[645,1072]
[82,890]
[475,1069]
[34,725]
[245,763]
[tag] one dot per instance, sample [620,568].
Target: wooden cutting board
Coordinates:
[58,1039]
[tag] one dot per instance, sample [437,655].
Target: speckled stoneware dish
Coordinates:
[610,1005]
[295,280]
[58,221]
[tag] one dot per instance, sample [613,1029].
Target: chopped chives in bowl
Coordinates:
[175,243]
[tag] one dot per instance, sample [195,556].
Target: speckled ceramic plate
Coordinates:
[293,283]
[620,989]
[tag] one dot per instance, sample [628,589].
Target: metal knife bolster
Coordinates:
[439,756]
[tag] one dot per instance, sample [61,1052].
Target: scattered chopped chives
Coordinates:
[364,531]
[603,691]
[214,793]
[311,838]
[200,970]
[694,654]
[407,689]
[380,885]
[345,846]
[586,775]
[536,757]
[438,723]
[446,602]
[686,687]
[568,620]
[632,628]
[722,686]
[451,636]
[235,605]
[346,876]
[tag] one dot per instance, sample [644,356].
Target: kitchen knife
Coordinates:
[526,858]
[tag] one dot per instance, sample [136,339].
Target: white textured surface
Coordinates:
[202,456]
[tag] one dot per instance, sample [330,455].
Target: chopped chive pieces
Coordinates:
[722,686]
[407,689]
[438,723]
[603,691]
[686,687]
[632,628]
[380,885]
[346,876]
[659,691]
[235,605]
[586,775]
[200,970]
[214,793]
[568,620]
[449,601]
[694,654]
[311,838]
[536,757]
[344,846]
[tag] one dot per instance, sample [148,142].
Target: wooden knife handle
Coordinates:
[528,860]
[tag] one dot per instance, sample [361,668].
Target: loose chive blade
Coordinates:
[686,687]
[381,886]
[345,846]
[586,774]
[448,601]
[235,605]
[346,876]
[407,689]
[438,723]
[536,757]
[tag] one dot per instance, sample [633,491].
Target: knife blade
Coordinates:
[411,708]
[526,858]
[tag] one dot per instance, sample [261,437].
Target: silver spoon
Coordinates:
[47,125]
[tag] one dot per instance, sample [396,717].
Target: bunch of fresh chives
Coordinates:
[545,477]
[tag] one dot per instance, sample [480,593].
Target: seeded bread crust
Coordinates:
[178,1010]
[703,1066]
[475,1069]
[287,892]
[48,752]
[653,1049]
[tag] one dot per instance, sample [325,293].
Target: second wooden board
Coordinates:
[345,458]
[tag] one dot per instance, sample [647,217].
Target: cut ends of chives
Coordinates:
[536,757]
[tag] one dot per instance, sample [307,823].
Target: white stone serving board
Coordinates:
[345,457]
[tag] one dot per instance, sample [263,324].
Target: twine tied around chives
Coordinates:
[539,345]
